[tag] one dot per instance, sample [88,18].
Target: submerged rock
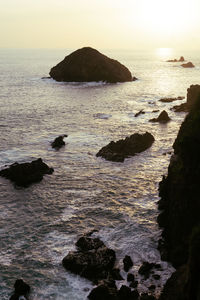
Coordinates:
[22,290]
[88,64]
[26,173]
[93,260]
[118,151]
[188,65]
[162,118]
[58,142]
[167,100]
[139,113]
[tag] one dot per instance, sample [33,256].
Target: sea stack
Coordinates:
[86,65]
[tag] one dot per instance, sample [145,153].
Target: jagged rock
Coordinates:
[146,269]
[180,189]
[58,142]
[118,151]
[134,284]
[115,274]
[22,289]
[139,113]
[162,118]
[93,260]
[128,263]
[188,65]
[26,173]
[103,292]
[192,96]
[125,293]
[167,100]
[88,64]
[181,59]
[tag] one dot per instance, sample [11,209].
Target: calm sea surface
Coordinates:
[40,224]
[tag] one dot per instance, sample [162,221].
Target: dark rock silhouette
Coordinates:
[192,96]
[180,208]
[93,260]
[21,289]
[181,59]
[146,269]
[118,151]
[26,173]
[128,263]
[88,64]
[104,292]
[162,118]
[188,65]
[167,100]
[58,142]
[139,113]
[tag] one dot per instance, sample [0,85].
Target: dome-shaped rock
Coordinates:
[88,64]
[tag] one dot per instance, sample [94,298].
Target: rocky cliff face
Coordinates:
[88,64]
[180,207]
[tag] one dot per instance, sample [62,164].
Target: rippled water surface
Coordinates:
[40,224]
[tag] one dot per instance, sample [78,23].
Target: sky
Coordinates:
[102,24]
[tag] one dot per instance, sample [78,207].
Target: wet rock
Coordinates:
[181,59]
[155,110]
[134,284]
[21,289]
[162,118]
[134,78]
[130,277]
[86,243]
[58,142]
[103,292]
[115,274]
[93,260]
[118,151]
[141,112]
[125,293]
[128,263]
[152,287]
[168,100]
[25,174]
[88,64]
[146,269]
[146,296]
[156,276]
[188,65]
[180,108]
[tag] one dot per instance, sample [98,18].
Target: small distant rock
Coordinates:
[188,65]
[46,77]
[118,151]
[128,263]
[162,118]
[22,289]
[139,113]
[25,174]
[155,110]
[58,142]
[181,59]
[134,78]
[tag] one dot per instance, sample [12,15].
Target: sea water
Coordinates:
[40,224]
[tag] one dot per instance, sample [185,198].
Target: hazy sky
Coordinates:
[134,24]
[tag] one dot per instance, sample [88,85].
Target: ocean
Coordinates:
[40,224]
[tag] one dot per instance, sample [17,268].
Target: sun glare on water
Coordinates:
[164,53]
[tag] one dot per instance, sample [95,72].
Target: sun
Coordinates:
[165,18]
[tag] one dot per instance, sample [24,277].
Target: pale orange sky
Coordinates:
[129,24]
